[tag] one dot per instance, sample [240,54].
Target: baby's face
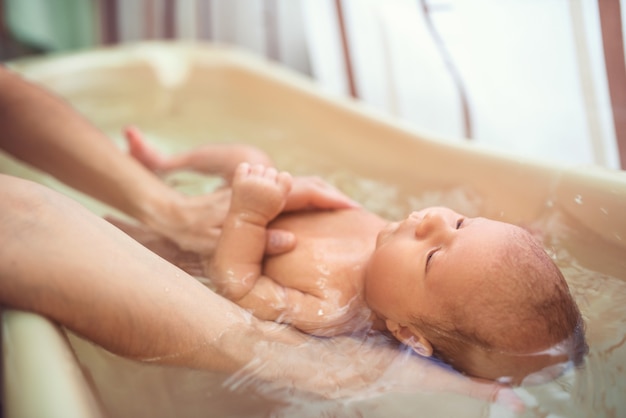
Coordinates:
[429,263]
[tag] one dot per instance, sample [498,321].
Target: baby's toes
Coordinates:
[283,179]
[241,172]
[270,174]
[257,170]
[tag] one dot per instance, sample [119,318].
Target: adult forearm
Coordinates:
[43,131]
[61,261]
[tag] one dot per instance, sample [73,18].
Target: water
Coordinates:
[597,282]
[308,136]
[594,268]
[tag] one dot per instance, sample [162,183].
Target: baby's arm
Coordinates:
[217,159]
[258,196]
[307,312]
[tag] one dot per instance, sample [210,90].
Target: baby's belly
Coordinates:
[304,271]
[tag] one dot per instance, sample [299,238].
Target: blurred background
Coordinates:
[544,79]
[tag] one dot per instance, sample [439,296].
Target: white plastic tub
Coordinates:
[186,95]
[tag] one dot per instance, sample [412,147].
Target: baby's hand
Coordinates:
[259,192]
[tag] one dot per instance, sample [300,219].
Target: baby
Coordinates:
[479,294]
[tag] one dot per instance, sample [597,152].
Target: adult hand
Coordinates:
[194,222]
[312,192]
[278,242]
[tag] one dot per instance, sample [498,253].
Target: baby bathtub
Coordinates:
[183,95]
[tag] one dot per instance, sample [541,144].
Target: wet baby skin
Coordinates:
[353,270]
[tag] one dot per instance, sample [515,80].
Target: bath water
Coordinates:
[307,136]
[597,280]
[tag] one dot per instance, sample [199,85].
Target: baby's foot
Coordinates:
[259,192]
[143,152]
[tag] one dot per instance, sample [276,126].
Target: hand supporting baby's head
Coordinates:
[489,301]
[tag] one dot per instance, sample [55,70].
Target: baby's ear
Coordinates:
[411,337]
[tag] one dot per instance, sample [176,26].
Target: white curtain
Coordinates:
[521,76]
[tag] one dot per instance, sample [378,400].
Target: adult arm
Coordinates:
[45,132]
[61,261]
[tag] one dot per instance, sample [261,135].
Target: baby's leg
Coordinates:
[144,153]
[259,195]
[217,159]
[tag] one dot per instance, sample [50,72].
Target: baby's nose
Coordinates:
[429,224]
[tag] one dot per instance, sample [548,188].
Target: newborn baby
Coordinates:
[479,294]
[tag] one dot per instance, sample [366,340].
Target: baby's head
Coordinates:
[481,295]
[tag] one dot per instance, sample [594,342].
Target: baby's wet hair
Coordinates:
[532,310]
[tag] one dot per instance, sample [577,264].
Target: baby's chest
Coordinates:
[315,268]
